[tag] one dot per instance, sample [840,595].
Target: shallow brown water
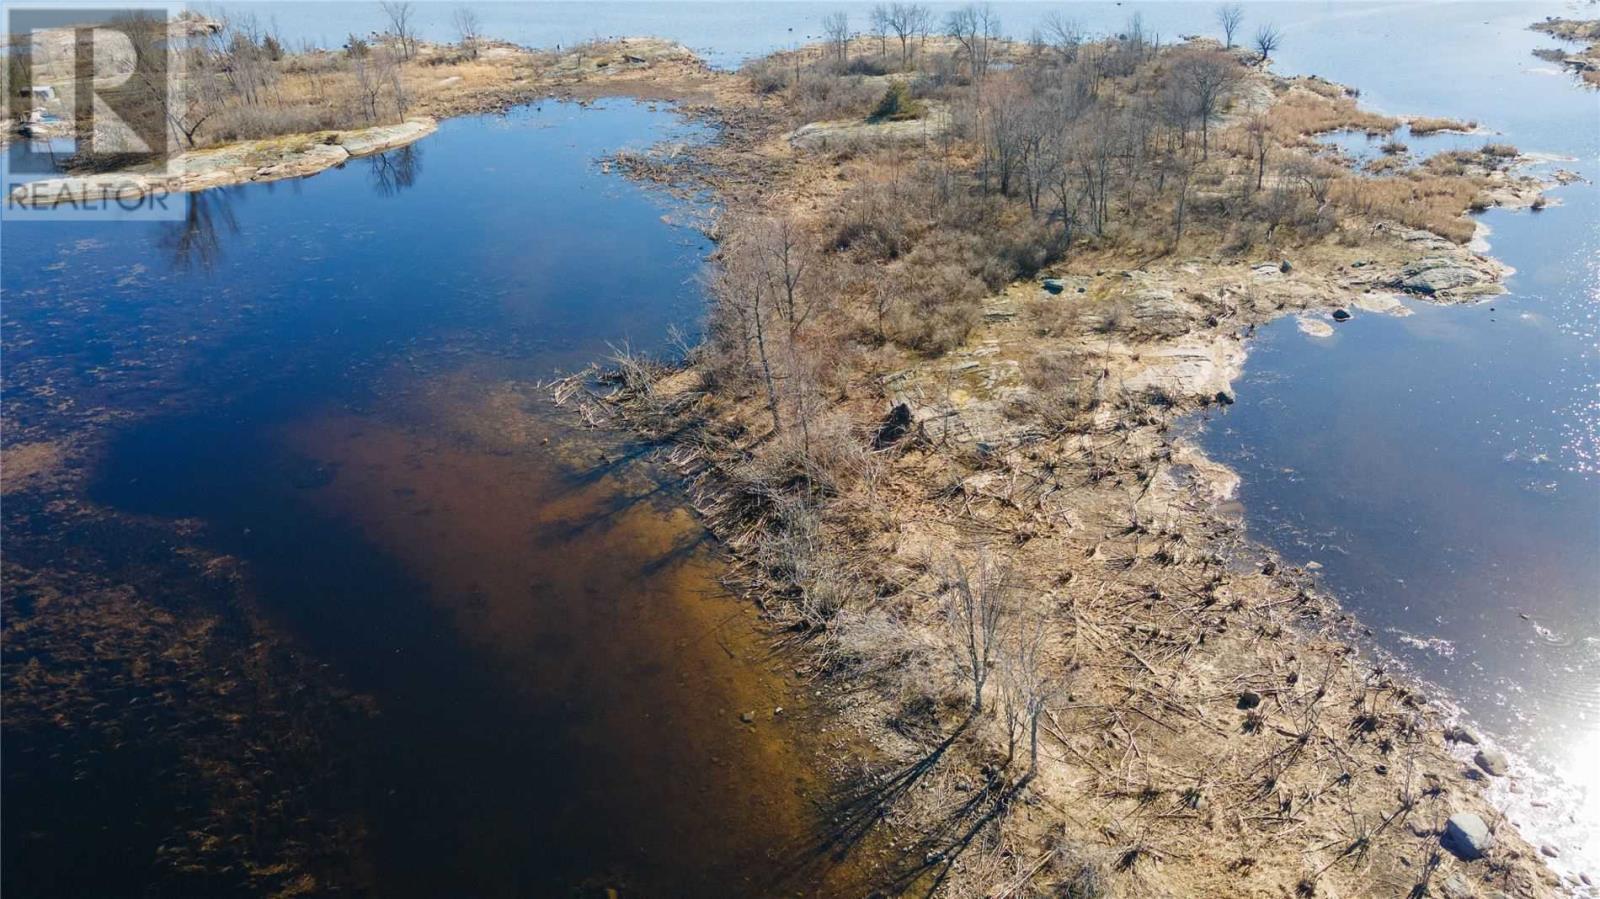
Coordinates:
[616,737]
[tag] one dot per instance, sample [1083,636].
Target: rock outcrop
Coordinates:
[264,160]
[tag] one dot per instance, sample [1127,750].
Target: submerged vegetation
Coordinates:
[964,288]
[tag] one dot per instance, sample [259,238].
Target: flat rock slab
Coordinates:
[833,135]
[386,137]
[275,159]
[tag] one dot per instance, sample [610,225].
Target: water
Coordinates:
[1443,466]
[1440,467]
[327,387]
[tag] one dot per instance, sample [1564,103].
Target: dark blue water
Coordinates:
[329,383]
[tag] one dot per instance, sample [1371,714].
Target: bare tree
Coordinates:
[400,13]
[1258,129]
[1064,36]
[837,28]
[1268,39]
[978,598]
[906,20]
[376,73]
[879,19]
[785,262]
[1229,15]
[975,27]
[743,305]
[369,86]
[1030,686]
[1207,78]
[191,99]
[1182,176]
[467,29]
[389,70]
[238,48]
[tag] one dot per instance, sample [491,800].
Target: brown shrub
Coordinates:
[938,308]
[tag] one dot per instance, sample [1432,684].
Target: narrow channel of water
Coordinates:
[333,381]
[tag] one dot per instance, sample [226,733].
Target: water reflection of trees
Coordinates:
[195,242]
[396,170]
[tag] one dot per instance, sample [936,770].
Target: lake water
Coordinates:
[1440,467]
[332,381]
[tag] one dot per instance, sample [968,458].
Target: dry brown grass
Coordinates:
[1305,113]
[1430,202]
[1425,125]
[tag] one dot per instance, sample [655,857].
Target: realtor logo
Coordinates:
[89,92]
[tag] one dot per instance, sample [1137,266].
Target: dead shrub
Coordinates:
[1064,387]
[938,308]
[874,226]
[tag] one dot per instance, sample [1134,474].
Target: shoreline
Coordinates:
[1197,373]
[1179,539]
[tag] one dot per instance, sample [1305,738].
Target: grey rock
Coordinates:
[1434,274]
[1054,285]
[1492,761]
[1548,851]
[1155,310]
[1458,734]
[1466,836]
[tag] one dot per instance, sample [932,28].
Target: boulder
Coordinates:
[1341,315]
[1434,274]
[1466,836]
[1492,761]
[1054,285]
[1458,734]
[1249,699]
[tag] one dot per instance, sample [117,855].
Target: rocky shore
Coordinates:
[275,159]
[1222,733]
[1584,63]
